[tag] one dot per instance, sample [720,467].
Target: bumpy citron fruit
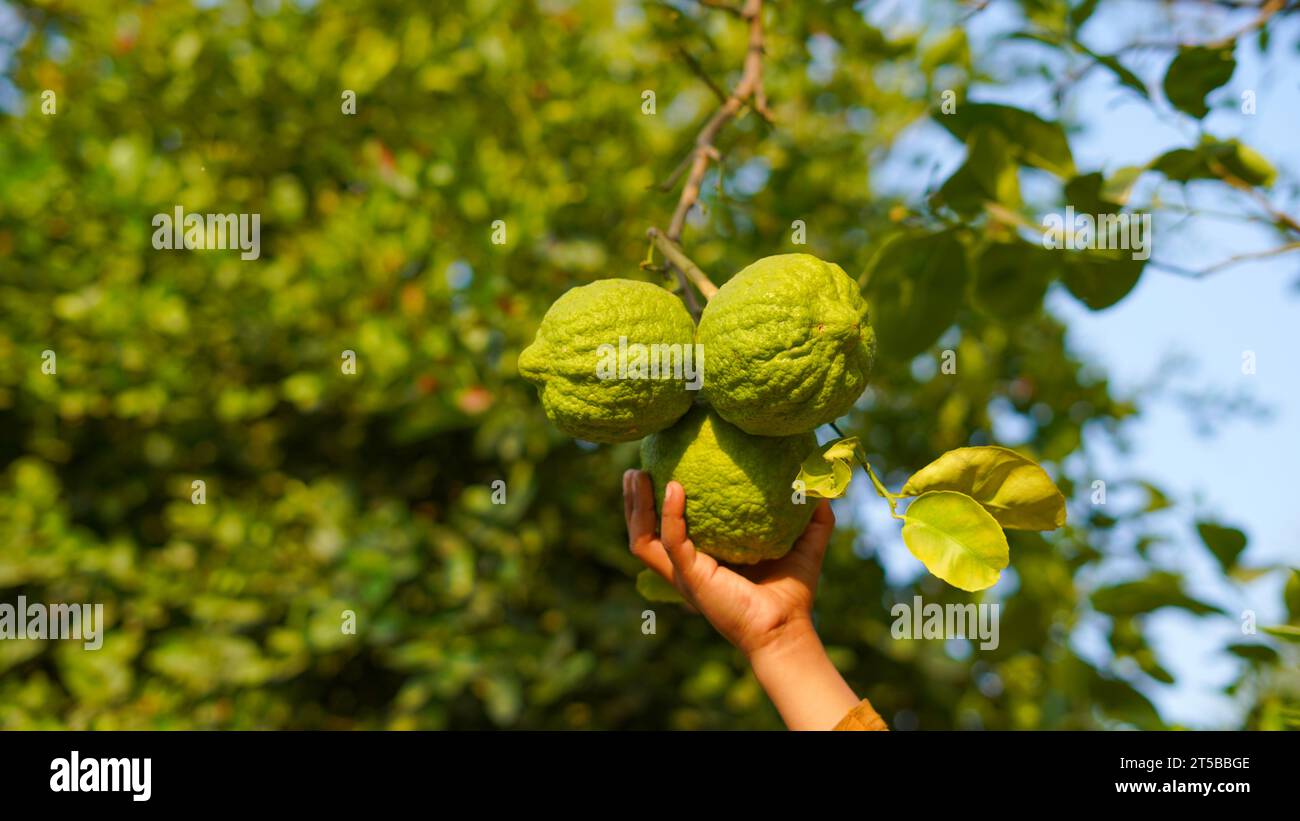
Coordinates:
[789,345]
[740,505]
[587,390]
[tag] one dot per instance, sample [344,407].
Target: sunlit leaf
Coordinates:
[1213,159]
[1286,632]
[827,472]
[1013,488]
[956,539]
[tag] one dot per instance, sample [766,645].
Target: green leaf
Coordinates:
[1034,141]
[989,173]
[1286,632]
[1080,13]
[1145,595]
[956,539]
[1249,574]
[827,472]
[652,587]
[1226,543]
[1119,185]
[1126,78]
[1156,498]
[1291,595]
[1086,195]
[1012,488]
[948,49]
[1012,277]
[1211,159]
[1194,73]
[915,284]
[1261,653]
[1100,279]
[1122,701]
[1148,664]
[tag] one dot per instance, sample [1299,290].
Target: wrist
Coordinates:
[794,669]
[796,637]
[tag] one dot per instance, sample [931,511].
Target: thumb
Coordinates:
[811,546]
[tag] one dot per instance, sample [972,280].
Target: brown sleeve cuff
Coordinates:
[862,717]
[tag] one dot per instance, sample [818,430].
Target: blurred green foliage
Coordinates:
[372,492]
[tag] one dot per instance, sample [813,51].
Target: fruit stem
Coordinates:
[881,491]
[677,257]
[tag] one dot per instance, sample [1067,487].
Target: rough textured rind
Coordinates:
[562,361]
[739,505]
[789,345]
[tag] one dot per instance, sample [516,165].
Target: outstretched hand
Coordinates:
[753,606]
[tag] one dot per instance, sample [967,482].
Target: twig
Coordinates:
[1227,263]
[677,257]
[1266,12]
[750,85]
[748,89]
[975,7]
[702,74]
[1010,217]
[1281,219]
[667,185]
[722,5]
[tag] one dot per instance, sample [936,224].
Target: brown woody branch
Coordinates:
[750,86]
[749,90]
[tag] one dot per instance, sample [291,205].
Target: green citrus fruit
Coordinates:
[606,357]
[739,498]
[789,345]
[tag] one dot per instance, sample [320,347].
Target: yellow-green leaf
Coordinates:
[652,587]
[826,473]
[1288,632]
[1014,489]
[956,539]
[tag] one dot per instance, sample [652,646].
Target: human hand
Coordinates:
[755,607]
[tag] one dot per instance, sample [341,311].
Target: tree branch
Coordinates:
[1281,219]
[1267,10]
[678,259]
[750,85]
[702,74]
[696,164]
[1227,263]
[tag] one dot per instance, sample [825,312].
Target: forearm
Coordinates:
[801,681]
